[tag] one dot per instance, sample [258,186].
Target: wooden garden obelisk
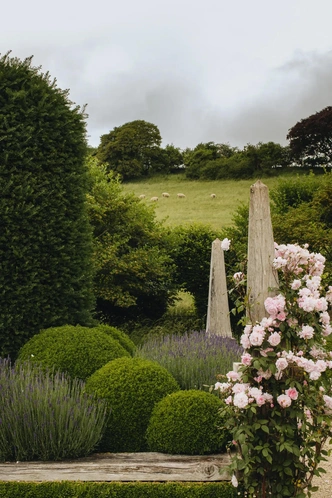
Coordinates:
[260,274]
[218,321]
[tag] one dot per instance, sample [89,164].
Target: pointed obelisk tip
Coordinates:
[258,184]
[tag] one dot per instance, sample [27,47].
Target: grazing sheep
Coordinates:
[213,196]
[181,196]
[154,199]
[142,196]
[165,194]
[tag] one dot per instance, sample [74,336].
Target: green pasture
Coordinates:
[197,206]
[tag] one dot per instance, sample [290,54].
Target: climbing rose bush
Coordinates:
[279,402]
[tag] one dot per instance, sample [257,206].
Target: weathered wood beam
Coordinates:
[122,467]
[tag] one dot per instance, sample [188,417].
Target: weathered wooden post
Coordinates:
[260,274]
[218,321]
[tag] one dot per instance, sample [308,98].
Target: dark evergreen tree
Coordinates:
[45,236]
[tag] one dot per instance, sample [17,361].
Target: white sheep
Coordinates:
[181,196]
[213,196]
[142,196]
[165,194]
[154,199]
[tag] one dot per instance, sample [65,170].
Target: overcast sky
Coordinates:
[235,71]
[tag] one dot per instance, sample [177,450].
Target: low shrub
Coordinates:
[187,422]
[46,417]
[78,351]
[119,335]
[70,489]
[194,359]
[132,387]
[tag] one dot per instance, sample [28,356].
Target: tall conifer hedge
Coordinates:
[45,237]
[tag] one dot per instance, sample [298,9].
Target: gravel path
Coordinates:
[324,481]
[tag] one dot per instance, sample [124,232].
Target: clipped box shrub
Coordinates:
[132,387]
[78,351]
[46,417]
[188,423]
[119,335]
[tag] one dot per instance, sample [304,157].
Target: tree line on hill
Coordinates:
[134,150]
[75,248]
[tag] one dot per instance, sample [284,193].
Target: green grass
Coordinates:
[197,206]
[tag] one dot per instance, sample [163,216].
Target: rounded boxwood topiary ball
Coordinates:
[187,422]
[132,386]
[120,336]
[78,351]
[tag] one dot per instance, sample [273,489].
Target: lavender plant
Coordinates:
[46,417]
[194,359]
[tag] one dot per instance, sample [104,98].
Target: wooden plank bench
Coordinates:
[107,467]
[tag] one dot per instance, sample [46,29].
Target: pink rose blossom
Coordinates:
[321,304]
[239,388]
[281,316]
[222,386]
[324,318]
[247,329]
[238,276]
[306,332]
[328,401]
[246,359]
[268,398]
[296,284]
[233,376]
[281,364]
[292,393]
[328,295]
[244,341]
[256,338]
[326,330]
[274,339]
[284,400]
[241,400]
[274,305]
[314,375]
[260,400]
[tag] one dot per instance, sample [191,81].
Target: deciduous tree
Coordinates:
[310,140]
[134,270]
[132,149]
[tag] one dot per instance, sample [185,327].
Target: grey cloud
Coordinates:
[294,91]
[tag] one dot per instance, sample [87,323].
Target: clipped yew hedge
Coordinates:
[46,276]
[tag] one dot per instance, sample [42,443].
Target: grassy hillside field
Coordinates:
[197,206]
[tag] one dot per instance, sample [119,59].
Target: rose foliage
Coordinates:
[279,402]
